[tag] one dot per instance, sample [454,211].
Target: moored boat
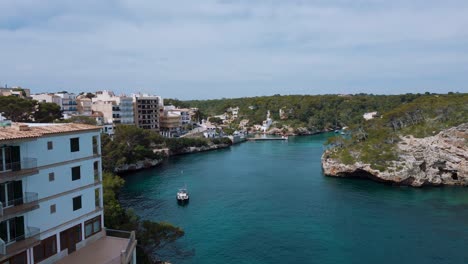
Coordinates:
[182,195]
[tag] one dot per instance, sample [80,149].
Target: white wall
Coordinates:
[61,148]
[40,183]
[43,219]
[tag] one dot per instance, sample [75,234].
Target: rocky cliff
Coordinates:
[437,160]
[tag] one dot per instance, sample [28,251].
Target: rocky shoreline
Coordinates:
[434,161]
[150,163]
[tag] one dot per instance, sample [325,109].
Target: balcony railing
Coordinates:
[95,150]
[125,255]
[19,243]
[28,201]
[96,175]
[26,163]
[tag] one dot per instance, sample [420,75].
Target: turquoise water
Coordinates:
[268,202]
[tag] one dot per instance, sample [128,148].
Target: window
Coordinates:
[52,209]
[51,176]
[76,173]
[77,203]
[92,226]
[50,145]
[46,249]
[74,144]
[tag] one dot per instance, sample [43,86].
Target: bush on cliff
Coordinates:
[151,236]
[374,142]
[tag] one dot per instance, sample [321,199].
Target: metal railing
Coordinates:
[96,175]
[95,150]
[29,232]
[126,254]
[2,247]
[28,197]
[26,163]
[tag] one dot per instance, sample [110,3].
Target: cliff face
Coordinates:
[437,160]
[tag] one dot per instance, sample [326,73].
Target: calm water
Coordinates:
[268,202]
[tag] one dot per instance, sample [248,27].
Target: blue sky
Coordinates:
[190,49]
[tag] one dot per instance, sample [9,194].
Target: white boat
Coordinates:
[182,195]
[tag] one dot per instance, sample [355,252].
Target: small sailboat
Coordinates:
[182,195]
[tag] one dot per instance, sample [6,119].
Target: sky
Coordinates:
[202,49]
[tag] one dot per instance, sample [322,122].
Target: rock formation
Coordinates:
[437,160]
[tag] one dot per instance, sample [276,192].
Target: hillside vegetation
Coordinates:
[374,142]
[315,112]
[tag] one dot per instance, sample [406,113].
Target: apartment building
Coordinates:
[51,197]
[147,111]
[83,105]
[170,123]
[114,109]
[66,101]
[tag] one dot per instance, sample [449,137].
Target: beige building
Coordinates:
[114,109]
[84,106]
[170,123]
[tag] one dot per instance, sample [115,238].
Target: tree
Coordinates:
[152,236]
[47,113]
[17,109]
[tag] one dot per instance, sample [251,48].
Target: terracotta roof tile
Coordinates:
[36,130]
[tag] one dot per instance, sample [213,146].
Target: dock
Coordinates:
[265,139]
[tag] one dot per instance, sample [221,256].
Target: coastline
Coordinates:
[126,169]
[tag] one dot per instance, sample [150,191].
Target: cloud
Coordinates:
[205,49]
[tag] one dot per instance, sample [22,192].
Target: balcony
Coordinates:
[96,175]
[20,243]
[27,203]
[96,150]
[12,170]
[113,247]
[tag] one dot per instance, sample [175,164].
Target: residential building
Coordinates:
[370,115]
[51,197]
[15,91]
[67,104]
[84,105]
[170,123]
[147,110]
[115,109]
[47,98]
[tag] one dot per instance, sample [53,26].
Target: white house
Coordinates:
[51,198]
[369,116]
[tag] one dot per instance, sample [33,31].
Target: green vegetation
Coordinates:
[131,144]
[316,112]
[151,236]
[23,110]
[374,141]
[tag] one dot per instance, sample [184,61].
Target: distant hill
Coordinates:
[316,112]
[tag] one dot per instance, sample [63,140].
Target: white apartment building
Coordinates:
[51,197]
[46,98]
[68,103]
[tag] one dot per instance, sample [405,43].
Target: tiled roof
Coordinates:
[40,130]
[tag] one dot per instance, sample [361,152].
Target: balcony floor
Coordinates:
[104,250]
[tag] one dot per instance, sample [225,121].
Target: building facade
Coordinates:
[115,109]
[51,198]
[147,111]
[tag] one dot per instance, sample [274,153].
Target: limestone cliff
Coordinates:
[437,160]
